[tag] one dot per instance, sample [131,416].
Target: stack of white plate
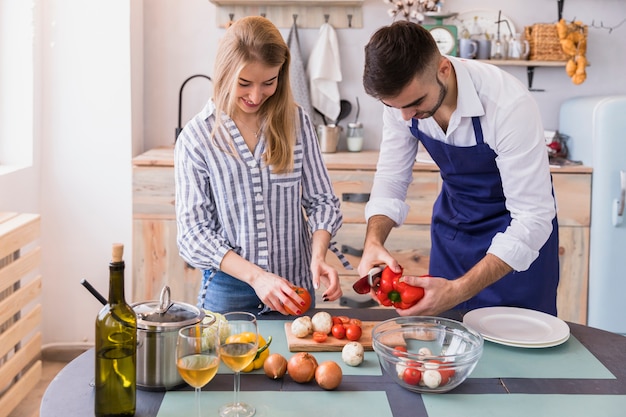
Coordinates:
[518,327]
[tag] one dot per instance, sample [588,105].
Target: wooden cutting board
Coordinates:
[332,344]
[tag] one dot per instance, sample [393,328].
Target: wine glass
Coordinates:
[197,356]
[237,349]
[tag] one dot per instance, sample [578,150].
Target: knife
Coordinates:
[371,281]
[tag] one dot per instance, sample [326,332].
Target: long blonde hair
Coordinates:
[256,39]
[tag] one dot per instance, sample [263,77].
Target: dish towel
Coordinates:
[324,71]
[299,84]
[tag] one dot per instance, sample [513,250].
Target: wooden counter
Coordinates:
[155,255]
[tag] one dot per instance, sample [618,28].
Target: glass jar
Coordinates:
[354,137]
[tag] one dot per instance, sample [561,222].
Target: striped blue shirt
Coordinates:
[232,201]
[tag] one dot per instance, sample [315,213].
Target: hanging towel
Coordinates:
[299,84]
[324,71]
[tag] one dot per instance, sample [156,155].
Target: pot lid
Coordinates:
[165,314]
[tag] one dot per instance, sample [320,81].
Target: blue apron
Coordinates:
[468,213]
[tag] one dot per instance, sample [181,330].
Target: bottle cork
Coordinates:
[118,252]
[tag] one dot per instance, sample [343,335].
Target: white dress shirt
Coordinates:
[511,126]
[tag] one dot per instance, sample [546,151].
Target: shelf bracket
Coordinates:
[530,73]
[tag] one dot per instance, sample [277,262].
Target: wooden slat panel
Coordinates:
[20,298]
[17,232]
[154,191]
[5,216]
[17,269]
[16,394]
[421,195]
[409,244]
[571,298]
[14,334]
[573,197]
[156,263]
[20,361]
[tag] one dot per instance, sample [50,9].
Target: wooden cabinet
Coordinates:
[155,254]
[156,261]
[353,173]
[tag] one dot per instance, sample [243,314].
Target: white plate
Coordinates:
[486,21]
[527,345]
[518,326]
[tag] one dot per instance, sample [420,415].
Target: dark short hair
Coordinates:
[395,55]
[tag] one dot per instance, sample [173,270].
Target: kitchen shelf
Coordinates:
[340,14]
[530,67]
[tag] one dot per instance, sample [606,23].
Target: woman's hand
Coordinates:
[327,276]
[277,293]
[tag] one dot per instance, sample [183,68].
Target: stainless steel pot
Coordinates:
[158,323]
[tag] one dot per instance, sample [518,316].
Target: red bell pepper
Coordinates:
[392,292]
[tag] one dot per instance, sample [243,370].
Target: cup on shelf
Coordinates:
[468,48]
[484,49]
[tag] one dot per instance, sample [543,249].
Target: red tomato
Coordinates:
[344,319]
[353,332]
[320,337]
[338,331]
[398,349]
[411,376]
[356,322]
[337,320]
[304,294]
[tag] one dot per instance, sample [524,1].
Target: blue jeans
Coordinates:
[221,293]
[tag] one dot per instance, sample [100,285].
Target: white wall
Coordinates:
[181,39]
[86,146]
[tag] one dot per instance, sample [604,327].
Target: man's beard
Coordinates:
[443,91]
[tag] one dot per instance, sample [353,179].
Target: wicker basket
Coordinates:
[544,41]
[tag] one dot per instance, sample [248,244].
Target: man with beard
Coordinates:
[494,230]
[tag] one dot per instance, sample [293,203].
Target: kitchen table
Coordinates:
[589,370]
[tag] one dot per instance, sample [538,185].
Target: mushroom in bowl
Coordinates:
[427,354]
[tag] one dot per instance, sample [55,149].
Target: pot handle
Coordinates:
[164,300]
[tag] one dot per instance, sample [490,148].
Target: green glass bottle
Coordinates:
[116,348]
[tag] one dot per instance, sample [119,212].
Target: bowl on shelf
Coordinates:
[427,354]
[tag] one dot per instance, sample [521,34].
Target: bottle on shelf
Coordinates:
[354,137]
[116,348]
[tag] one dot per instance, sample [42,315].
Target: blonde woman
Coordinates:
[255,207]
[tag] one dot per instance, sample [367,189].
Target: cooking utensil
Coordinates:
[93,291]
[158,323]
[358,110]
[344,111]
[371,281]
[322,116]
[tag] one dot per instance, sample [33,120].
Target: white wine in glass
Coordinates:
[197,356]
[240,345]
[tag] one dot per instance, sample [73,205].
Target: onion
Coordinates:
[328,375]
[275,366]
[301,367]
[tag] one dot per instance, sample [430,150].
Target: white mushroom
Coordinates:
[353,353]
[302,327]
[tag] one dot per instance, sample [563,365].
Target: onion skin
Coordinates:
[275,366]
[328,375]
[301,367]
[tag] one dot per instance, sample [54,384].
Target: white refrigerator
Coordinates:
[596,127]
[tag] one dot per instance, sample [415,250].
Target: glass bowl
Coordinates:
[427,354]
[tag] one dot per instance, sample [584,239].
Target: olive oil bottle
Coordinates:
[116,348]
